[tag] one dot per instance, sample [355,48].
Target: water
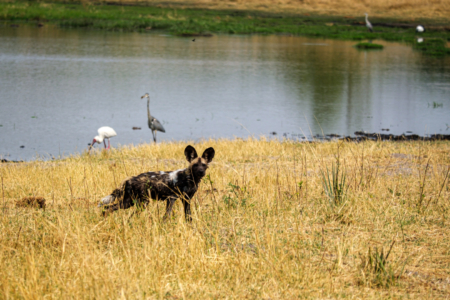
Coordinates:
[58,86]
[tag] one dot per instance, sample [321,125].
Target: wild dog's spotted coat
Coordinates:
[164,186]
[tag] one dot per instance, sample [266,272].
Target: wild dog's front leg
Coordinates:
[110,208]
[170,201]
[187,209]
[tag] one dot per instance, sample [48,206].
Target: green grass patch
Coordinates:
[369,46]
[433,47]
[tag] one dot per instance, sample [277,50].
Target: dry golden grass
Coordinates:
[263,226]
[402,9]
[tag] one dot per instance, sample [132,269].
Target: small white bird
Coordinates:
[420,28]
[368,24]
[104,132]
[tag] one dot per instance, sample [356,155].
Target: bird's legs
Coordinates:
[104,143]
[154,135]
[109,145]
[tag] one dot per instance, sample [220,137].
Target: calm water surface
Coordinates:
[58,86]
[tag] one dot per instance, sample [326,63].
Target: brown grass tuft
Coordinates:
[37,202]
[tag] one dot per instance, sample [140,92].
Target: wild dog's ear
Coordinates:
[190,153]
[208,154]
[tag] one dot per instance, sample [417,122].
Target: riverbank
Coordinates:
[204,22]
[266,224]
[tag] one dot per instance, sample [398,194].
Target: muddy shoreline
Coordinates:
[360,136]
[364,136]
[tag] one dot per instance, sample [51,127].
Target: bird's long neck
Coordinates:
[367,18]
[148,109]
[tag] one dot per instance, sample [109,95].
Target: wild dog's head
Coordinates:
[198,165]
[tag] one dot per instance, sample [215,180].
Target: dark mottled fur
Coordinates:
[38,202]
[163,185]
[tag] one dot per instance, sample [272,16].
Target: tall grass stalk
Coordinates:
[378,269]
[334,185]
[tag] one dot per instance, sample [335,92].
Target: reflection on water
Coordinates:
[58,86]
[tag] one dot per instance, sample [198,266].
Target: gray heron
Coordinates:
[153,123]
[104,133]
[368,24]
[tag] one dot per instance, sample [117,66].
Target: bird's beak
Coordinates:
[92,145]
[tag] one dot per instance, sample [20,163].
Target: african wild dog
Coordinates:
[164,186]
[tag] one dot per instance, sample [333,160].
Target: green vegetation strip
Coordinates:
[187,22]
[434,47]
[369,46]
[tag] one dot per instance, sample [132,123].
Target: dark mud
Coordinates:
[10,161]
[364,136]
[360,136]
